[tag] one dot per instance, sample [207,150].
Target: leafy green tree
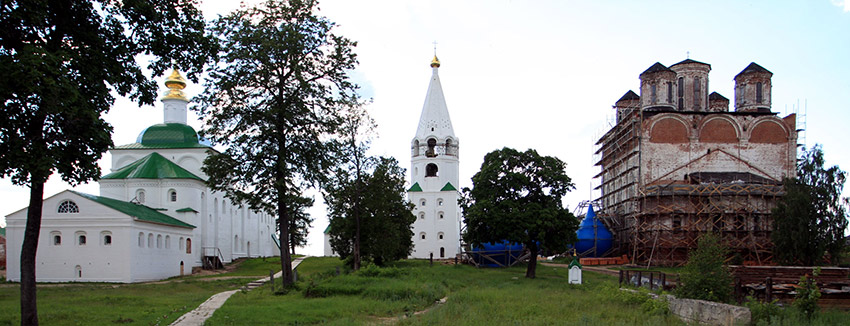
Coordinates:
[61,61]
[810,220]
[299,222]
[517,197]
[275,99]
[385,216]
[704,276]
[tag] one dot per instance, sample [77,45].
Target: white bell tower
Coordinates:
[434,177]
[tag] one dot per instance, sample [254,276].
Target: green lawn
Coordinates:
[108,304]
[474,297]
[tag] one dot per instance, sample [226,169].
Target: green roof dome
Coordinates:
[169,135]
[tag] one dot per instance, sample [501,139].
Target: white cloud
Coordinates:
[842,3]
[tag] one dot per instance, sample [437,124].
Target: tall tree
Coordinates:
[811,218]
[60,61]
[275,99]
[373,208]
[517,197]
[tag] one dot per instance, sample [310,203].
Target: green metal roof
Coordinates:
[3,231]
[327,229]
[153,166]
[139,212]
[186,210]
[448,187]
[415,188]
[166,135]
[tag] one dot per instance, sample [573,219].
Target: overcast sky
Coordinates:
[544,74]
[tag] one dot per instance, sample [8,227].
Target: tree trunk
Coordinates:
[531,271]
[29,311]
[357,199]
[283,224]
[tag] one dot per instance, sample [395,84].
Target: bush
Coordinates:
[808,293]
[763,313]
[704,277]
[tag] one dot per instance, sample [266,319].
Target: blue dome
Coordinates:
[594,239]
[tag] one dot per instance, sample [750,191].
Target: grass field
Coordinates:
[474,297]
[109,304]
[403,294]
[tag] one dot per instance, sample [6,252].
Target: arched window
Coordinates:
[81,238]
[172,195]
[758,92]
[421,215]
[107,238]
[669,92]
[188,245]
[150,240]
[440,235]
[140,196]
[180,244]
[68,207]
[442,252]
[431,170]
[422,202]
[159,241]
[681,93]
[652,92]
[57,238]
[235,243]
[141,239]
[422,235]
[696,93]
[441,215]
[167,242]
[449,147]
[439,202]
[431,152]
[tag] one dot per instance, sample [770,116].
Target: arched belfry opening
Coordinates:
[431,170]
[416,147]
[449,150]
[432,144]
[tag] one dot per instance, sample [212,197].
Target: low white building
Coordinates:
[155,218]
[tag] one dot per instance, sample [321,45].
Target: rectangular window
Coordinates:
[669,92]
[107,240]
[758,93]
[57,240]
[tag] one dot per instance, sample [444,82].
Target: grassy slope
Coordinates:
[475,296]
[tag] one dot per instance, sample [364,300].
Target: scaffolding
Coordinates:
[658,224]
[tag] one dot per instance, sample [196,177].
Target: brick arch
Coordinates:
[768,132]
[669,130]
[718,130]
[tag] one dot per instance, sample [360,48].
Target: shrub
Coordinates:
[762,313]
[808,293]
[704,277]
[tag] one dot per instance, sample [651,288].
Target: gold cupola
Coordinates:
[435,63]
[175,83]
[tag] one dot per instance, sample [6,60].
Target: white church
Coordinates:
[154,218]
[434,167]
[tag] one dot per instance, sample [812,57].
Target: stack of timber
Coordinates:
[604,261]
[780,282]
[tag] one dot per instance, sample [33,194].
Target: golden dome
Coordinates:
[435,63]
[175,83]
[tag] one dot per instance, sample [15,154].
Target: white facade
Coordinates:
[144,226]
[434,178]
